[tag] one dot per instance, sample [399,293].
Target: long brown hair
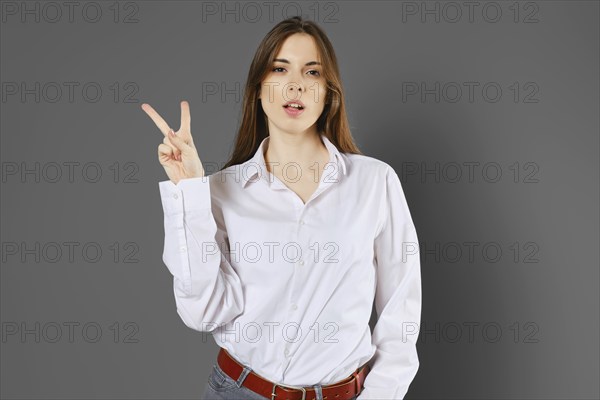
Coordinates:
[332,122]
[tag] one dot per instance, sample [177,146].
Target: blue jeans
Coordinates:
[222,387]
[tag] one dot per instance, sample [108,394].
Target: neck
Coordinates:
[303,150]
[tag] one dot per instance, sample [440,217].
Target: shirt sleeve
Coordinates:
[397,299]
[208,292]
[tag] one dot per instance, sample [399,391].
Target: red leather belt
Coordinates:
[342,390]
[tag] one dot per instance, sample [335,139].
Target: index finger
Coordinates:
[158,120]
[185,117]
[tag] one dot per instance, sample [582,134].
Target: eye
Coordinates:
[317,72]
[276,68]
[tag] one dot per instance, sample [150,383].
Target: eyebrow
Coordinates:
[283,60]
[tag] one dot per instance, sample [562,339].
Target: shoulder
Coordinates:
[225,182]
[375,176]
[371,166]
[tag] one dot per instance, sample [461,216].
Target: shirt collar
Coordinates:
[257,165]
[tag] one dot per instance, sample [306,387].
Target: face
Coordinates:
[296,75]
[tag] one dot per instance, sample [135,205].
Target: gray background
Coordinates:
[546,311]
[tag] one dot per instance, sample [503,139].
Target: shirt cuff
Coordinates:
[189,194]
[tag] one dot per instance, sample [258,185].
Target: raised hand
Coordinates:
[177,153]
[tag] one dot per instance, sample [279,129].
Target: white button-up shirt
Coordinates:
[287,287]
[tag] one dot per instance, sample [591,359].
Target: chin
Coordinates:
[291,125]
[295,127]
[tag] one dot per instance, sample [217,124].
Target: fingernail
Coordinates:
[171,132]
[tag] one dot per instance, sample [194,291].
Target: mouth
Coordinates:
[294,104]
[293,108]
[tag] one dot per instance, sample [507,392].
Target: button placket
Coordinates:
[298,274]
[300,233]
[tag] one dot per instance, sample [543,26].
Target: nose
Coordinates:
[295,87]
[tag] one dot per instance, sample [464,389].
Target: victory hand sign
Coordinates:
[177,153]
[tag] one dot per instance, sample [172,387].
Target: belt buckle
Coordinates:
[288,387]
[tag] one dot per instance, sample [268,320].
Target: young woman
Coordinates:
[281,253]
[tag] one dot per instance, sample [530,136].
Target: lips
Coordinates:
[288,104]
[293,112]
[293,108]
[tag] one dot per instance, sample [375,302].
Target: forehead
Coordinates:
[299,47]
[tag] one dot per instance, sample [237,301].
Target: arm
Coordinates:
[397,299]
[208,292]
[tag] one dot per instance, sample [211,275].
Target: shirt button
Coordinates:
[301,222]
[175,196]
[182,249]
[294,307]
[301,262]
[286,352]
